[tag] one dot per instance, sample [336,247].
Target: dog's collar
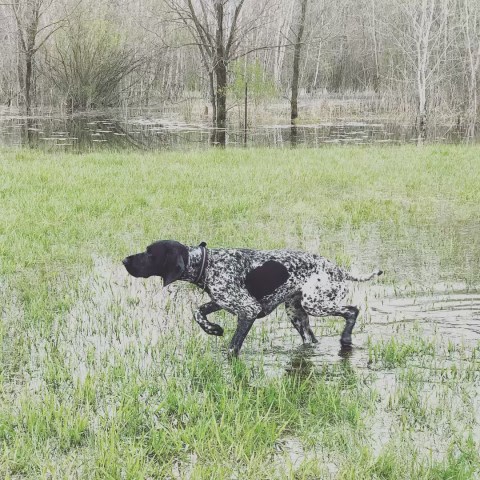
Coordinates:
[198,259]
[203,249]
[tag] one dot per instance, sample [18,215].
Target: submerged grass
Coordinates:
[102,376]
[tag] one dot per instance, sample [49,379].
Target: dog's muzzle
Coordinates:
[128,264]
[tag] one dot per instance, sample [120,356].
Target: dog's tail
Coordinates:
[363,278]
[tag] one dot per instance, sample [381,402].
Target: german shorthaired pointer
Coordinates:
[251,284]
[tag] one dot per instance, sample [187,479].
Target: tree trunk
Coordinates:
[423,47]
[472,45]
[317,67]
[472,105]
[221,120]
[376,79]
[20,67]
[221,76]
[422,103]
[28,82]
[213,100]
[296,61]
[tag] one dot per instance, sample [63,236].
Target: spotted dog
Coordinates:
[251,284]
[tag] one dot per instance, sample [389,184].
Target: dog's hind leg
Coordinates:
[348,312]
[201,318]
[322,298]
[299,318]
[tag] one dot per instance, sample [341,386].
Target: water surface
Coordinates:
[154,131]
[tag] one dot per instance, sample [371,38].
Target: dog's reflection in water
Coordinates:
[306,360]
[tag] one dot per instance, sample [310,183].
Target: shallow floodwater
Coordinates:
[450,315]
[416,345]
[117,131]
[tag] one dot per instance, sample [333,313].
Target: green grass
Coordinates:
[104,376]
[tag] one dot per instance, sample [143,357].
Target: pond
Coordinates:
[155,131]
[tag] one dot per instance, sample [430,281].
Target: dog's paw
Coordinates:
[213,329]
[346,341]
[232,353]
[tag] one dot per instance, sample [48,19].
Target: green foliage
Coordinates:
[260,85]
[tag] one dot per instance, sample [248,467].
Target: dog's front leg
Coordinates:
[201,318]
[244,325]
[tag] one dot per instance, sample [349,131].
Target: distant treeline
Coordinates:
[417,58]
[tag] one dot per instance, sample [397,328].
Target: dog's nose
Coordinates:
[126,261]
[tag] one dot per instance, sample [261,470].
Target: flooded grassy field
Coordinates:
[107,376]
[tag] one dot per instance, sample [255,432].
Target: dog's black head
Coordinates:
[165,258]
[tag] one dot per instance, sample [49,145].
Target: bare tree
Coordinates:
[206,20]
[420,36]
[8,59]
[33,29]
[297,48]
[376,82]
[470,12]
[219,30]
[282,29]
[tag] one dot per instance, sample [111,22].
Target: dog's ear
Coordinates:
[174,267]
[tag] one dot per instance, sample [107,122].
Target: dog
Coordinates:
[252,283]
